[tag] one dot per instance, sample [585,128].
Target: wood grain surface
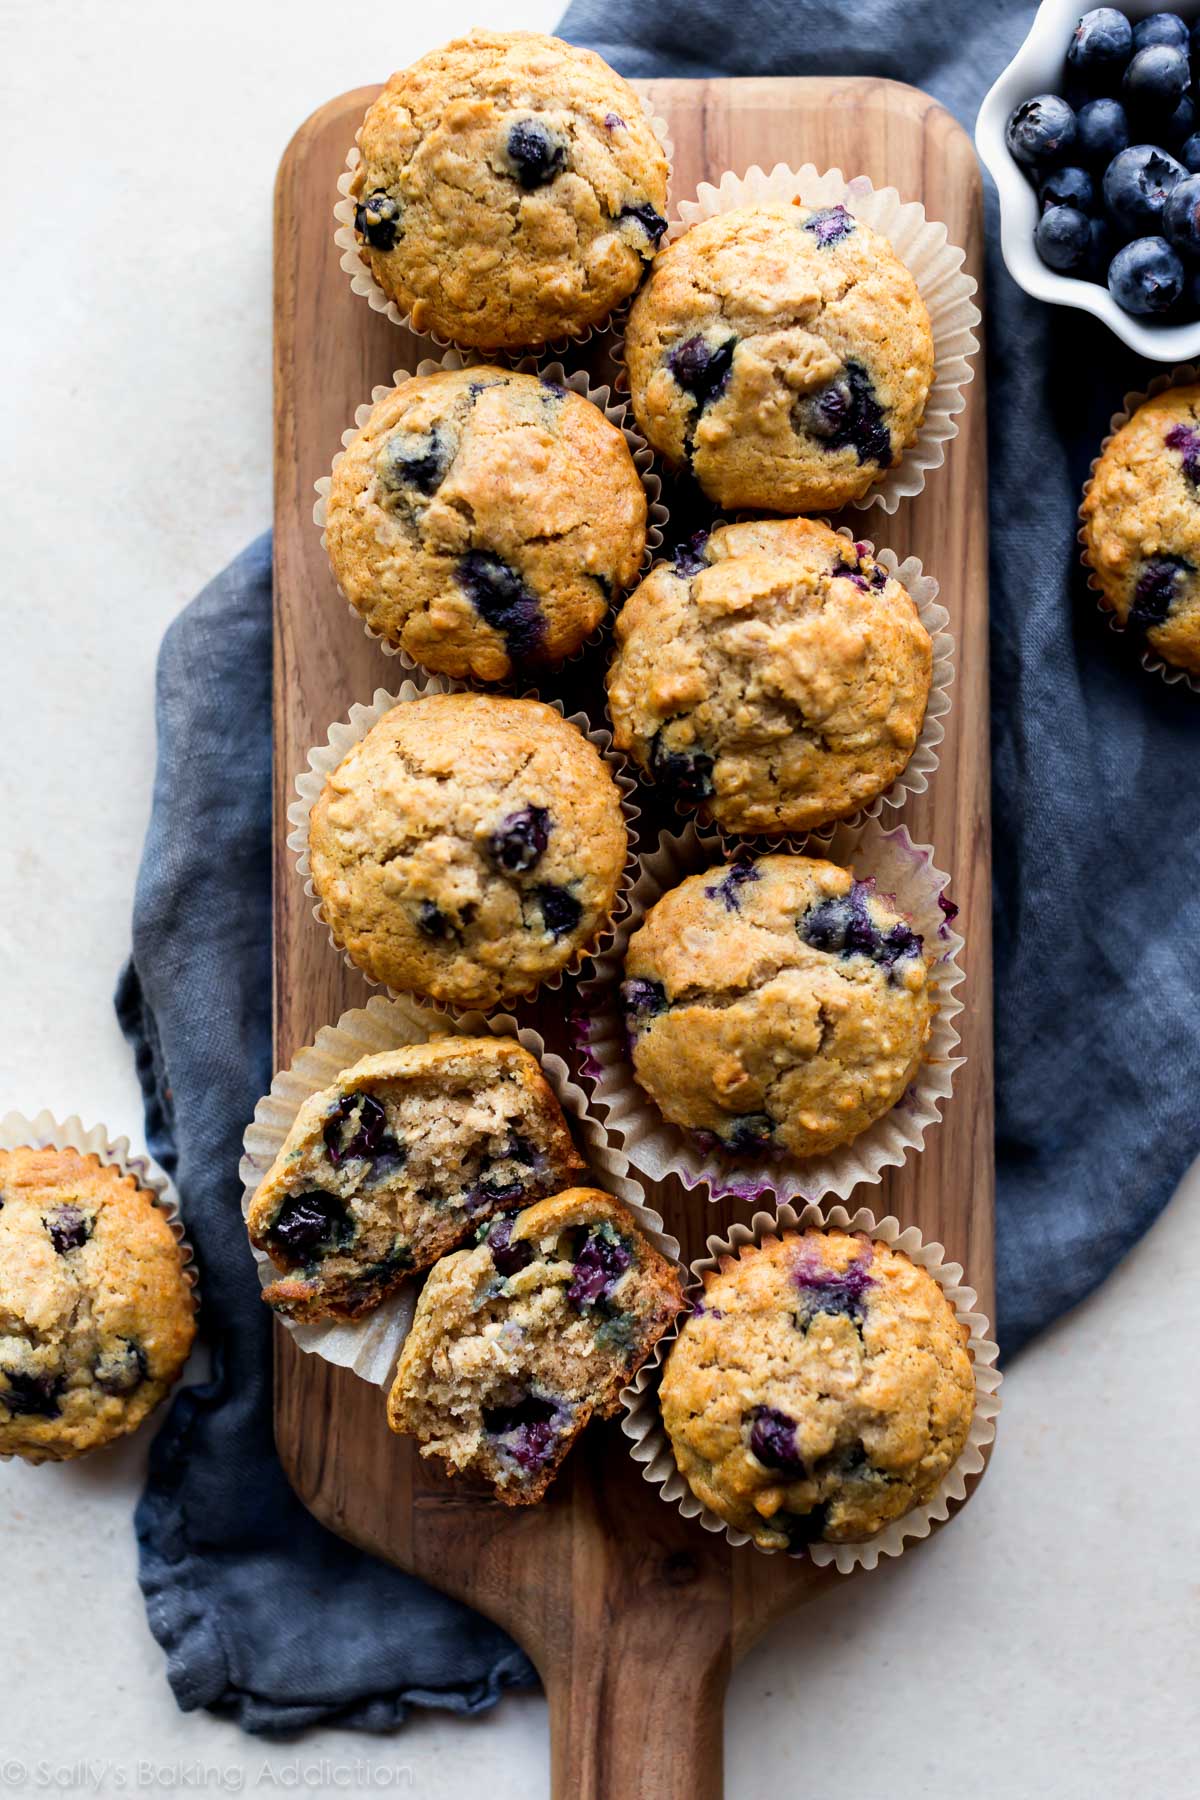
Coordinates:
[633,1616]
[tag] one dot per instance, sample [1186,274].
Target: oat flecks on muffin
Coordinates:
[511,190]
[483,520]
[469,848]
[1142,526]
[518,1342]
[774,672]
[779,1005]
[820,1390]
[96,1316]
[399,1161]
[784,354]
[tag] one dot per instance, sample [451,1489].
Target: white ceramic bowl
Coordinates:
[1037,68]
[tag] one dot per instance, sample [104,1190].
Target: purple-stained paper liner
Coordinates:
[903,871]
[371,1345]
[651,1447]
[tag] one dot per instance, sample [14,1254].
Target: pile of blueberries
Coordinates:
[1116,162]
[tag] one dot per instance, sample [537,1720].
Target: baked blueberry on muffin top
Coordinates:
[510,190]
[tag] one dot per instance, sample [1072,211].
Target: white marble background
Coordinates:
[1046,1644]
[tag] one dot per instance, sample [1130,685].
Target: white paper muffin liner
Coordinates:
[924,248]
[45,1132]
[651,1447]
[904,872]
[615,409]
[323,759]
[371,1345]
[914,777]
[363,281]
[1187,375]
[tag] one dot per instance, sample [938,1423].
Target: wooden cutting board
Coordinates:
[633,1615]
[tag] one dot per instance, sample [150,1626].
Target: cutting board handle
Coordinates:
[639,1720]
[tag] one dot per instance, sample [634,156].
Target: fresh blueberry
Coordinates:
[377,219]
[31,1396]
[1181,124]
[1102,131]
[1157,590]
[1063,239]
[773,1441]
[1156,80]
[1195,45]
[702,369]
[1181,216]
[1136,185]
[689,558]
[643,999]
[499,596]
[1186,439]
[508,1257]
[651,222]
[729,887]
[1100,47]
[749,1134]
[1068,187]
[520,840]
[599,1265]
[1160,28]
[1041,131]
[1146,276]
[536,153]
[122,1370]
[830,225]
[560,910]
[847,413]
[415,459]
[1189,154]
[528,1430]
[687,772]
[310,1223]
[69,1229]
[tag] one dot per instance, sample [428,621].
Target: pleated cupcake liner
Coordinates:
[651,1447]
[915,776]
[1186,375]
[615,409]
[923,246]
[364,283]
[46,1132]
[323,759]
[371,1345]
[904,872]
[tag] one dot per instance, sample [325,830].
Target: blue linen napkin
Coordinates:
[1097,905]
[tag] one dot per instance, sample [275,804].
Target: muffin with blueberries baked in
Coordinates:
[783,354]
[1141,526]
[469,848]
[483,521]
[820,1389]
[510,190]
[96,1313]
[778,1005]
[401,1160]
[774,673]
[518,1342]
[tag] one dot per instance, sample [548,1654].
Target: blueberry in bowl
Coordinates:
[1041,130]
[1101,131]
[1064,239]
[1136,186]
[1146,276]
[1181,216]
[1101,46]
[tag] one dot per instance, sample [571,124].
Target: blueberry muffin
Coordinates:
[398,1162]
[820,1389]
[778,1005]
[521,1340]
[468,848]
[483,521]
[774,672]
[1142,526]
[96,1317]
[782,354]
[510,190]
